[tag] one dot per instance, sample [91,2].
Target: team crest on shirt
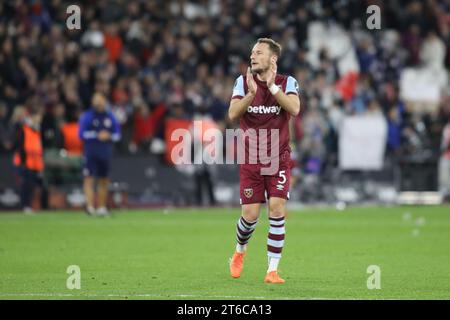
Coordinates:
[107,122]
[248,192]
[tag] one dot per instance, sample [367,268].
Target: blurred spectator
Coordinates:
[444,163]
[373,108]
[72,143]
[143,55]
[363,95]
[433,51]
[113,42]
[411,41]
[18,118]
[146,124]
[313,148]
[6,135]
[52,124]
[394,131]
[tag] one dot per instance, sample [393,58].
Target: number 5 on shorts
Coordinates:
[282,174]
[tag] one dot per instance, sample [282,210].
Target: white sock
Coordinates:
[273,264]
[241,248]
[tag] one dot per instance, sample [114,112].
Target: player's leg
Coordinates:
[102,186]
[275,238]
[246,225]
[244,230]
[89,170]
[102,189]
[88,186]
[252,195]
[26,190]
[278,194]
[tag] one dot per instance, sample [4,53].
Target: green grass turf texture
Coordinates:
[184,254]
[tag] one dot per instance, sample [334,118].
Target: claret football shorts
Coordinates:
[257,188]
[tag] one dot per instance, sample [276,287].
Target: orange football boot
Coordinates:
[237,264]
[273,277]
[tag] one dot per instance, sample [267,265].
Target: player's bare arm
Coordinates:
[289,102]
[239,106]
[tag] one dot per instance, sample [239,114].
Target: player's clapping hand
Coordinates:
[251,84]
[272,72]
[104,135]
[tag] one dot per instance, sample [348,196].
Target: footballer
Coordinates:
[263,99]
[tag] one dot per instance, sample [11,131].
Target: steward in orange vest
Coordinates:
[30,153]
[29,159]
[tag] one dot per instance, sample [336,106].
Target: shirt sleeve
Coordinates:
[238,89]
[292,86]
[83,132]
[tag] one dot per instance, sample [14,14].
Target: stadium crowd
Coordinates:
[159,59]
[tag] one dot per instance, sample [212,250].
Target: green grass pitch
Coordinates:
[184,254]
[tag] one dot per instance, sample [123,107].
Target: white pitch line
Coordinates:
[95,295]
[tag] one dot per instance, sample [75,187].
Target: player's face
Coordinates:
[99,102]
[260,58]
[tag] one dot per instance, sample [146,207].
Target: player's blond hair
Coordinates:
[274,46]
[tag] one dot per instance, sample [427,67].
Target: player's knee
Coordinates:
[250,215]
[103,181]
[277,211]
[276,214]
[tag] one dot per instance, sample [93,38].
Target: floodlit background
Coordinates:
[374,101]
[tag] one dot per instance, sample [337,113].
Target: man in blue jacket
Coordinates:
[98,130]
